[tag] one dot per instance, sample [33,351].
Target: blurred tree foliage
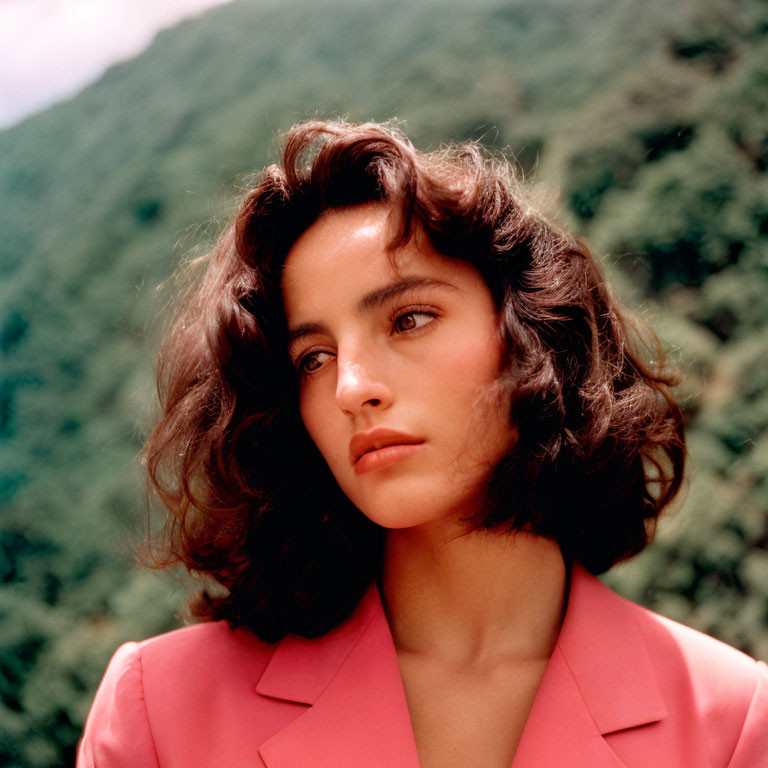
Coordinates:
[649,119]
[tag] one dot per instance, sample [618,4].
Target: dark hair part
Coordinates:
[252,503]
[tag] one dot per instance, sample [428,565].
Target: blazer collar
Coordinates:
[600,679]
[359,714]
[603,647]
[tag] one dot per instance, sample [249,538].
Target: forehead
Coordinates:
[355,238]
[346,253]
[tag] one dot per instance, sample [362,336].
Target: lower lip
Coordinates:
[383,457]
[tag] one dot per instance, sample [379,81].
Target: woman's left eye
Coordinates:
[411,321]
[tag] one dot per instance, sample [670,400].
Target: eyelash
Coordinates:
[399,314]
[394,318]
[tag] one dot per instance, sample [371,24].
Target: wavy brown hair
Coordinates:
[251,502]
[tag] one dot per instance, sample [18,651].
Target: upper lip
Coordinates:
[378,437]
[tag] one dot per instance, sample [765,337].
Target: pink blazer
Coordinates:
[623,688]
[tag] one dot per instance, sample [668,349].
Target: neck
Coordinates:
[474,599]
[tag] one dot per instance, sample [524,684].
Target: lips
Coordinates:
[379,437]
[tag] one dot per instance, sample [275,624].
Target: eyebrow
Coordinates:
[372,300]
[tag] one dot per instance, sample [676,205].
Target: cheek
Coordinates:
[468,368]
[469,393]
[318,418]
[311,416]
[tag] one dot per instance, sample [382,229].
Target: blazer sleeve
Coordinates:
[117,732]
[752,747]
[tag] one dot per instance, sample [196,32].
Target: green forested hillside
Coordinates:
[646,126]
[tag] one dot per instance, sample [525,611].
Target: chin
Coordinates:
[398,519]
[398,500]
[416,510]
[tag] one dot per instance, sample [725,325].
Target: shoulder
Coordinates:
[599,617]
[199,659]
[714,692]
[213,645]
[117,732]
[152,687]
[712,669]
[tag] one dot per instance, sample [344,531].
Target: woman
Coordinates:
[404,423]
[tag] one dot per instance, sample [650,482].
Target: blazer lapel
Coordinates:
[559,730]
[599,680]
[350,677]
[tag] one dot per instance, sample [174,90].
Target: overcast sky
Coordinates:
[51,49]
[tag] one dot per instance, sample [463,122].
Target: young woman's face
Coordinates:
[398,368]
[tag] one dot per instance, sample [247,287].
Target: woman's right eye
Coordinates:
[312,362]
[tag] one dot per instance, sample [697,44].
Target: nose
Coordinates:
[361,384]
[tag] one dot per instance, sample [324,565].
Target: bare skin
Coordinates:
[474,620]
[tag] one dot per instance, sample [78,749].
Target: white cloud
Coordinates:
[51,49]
